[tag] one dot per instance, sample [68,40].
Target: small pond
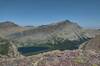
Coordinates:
[25,50]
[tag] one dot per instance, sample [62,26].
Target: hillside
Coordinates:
[45,30]
[93,44]
[8,27]
[7,24]
[61,58]
[7,49]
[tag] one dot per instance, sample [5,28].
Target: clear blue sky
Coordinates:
[37,12]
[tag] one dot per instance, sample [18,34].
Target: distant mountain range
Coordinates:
[55,36]
[63,29]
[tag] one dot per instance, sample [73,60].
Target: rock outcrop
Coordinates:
[8,49]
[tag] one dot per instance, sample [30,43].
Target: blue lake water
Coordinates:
[24,50]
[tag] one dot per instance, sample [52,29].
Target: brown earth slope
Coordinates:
[93,44]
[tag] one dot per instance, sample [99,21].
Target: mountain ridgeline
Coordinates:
[57,36]
[43,34]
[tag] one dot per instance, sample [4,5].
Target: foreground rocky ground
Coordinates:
[56,58]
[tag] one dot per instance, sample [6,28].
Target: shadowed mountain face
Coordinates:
[8,24]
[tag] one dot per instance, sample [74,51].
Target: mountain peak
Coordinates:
[63,22]
[8,24]
[66,21]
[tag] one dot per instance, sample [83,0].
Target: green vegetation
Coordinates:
[4,49]
[56,44]
[34,53]
[79,60]
[4,46]
[94,65]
